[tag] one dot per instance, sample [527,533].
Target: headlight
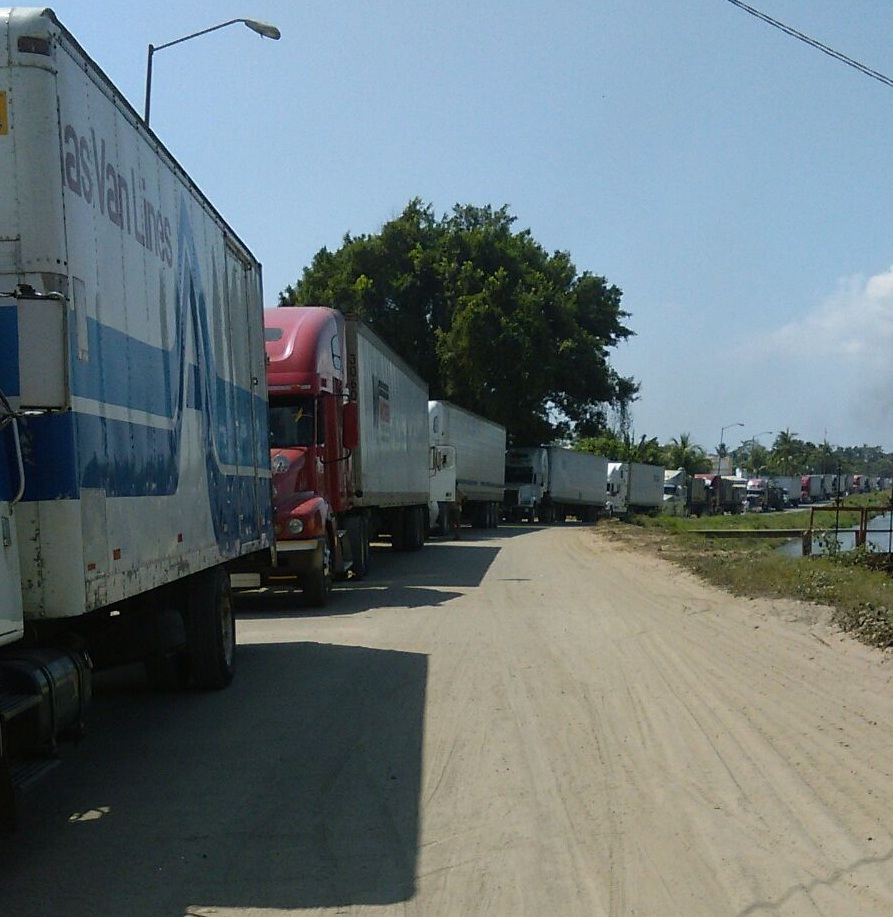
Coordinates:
[295,526]
[280,464]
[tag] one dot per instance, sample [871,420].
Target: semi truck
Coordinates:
[684,494]
[348,449]
[634,487]
[812,489]
[551,483]
[134,462]
[763,495]
[467,466]
[790,487]
[725,494]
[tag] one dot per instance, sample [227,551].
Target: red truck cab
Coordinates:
[310,440]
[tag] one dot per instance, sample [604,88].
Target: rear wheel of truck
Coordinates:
[318,582]
[408,533]
[211,628]
[414,519]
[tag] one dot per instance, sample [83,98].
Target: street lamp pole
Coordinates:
[753,445]
[262,29]
[722,441]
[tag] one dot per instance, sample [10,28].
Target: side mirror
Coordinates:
[350,436]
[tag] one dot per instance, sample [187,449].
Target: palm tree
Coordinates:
[787,452]
[682,453]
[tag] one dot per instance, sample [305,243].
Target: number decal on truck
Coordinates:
[4,123]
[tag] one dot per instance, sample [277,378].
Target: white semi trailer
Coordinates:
[635,487]
[134,463]
[468,464]
[550,483]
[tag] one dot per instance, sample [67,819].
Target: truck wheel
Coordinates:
[318,583]
[167,672]
[358,536]
[415,528]
[211,628]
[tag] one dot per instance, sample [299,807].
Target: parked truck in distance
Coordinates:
[684,494]
[348,449]
[725,494]
[551,483]
[134,463]
[790,488]
[763,496]
[634,487]
[812,488]
[467,475]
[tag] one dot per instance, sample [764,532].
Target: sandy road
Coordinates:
[539,723]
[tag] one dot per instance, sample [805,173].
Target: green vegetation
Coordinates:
[857,585]
[490,319]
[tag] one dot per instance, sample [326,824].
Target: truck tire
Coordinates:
[358,537]
[408,529]
[211,628]
[318,583]
[415,528]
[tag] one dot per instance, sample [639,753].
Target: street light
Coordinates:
[722,442]
[262,29]
[753,445]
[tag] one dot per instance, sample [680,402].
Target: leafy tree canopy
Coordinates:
[620,447]
[492,321]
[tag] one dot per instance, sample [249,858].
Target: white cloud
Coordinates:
[854,325]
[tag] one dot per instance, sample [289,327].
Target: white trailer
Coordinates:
[390,479]
[790,486]
[577,484]
[635,487]
[134,462]
[468,464]
[676,492]
[551,482]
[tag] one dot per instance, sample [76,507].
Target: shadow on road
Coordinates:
[296,788]
[413,580]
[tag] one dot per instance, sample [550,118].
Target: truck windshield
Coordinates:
[518,474]
[292,422]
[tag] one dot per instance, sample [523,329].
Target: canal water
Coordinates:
[879,537]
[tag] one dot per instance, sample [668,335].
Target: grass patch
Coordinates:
[856,585]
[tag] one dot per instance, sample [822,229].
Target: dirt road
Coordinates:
[535,723]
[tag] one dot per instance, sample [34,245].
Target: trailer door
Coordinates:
[247,359]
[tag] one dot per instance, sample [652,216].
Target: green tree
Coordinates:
[787,457]
[491,320]
[621,447]
[681,452]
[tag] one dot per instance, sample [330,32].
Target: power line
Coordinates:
[837,55]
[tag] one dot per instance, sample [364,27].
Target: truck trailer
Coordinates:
[134,463]
[467,468]
[551,483]
[634,487]
[348,449]
[685,494]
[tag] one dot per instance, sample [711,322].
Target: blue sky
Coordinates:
[734,182]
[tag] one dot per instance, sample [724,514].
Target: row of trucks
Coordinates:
[702,494]
[813,488]
[164,440]
[712,494]
[552,483]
